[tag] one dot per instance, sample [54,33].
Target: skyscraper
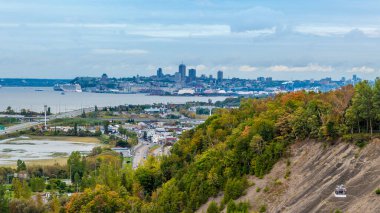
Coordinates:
[160,74]
[220,76]
[192,75]
[182,71]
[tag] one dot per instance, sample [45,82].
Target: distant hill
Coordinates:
[29,82]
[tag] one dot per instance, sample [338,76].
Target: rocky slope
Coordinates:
[314,170]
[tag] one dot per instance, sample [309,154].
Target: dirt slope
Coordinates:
[315,171]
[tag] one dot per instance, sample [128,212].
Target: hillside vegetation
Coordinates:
[220,157]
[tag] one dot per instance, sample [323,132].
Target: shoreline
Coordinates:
[61,160]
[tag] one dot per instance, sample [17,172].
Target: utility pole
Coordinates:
[45,107]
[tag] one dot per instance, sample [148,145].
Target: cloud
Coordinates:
[256,33]
[256,18]
[337,30]
[362,69]
[148,30]
[201,68]
[247,68]
[119,51]
[307,68]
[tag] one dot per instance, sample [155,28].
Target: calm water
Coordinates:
[24,149]
[28,98]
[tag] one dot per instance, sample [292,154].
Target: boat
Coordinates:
[340,191]
[62,93]
[68,87]
[38,90]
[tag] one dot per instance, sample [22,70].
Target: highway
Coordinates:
[140,153]
[40,120]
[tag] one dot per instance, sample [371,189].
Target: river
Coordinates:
[34,98]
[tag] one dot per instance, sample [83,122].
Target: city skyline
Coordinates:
[245,39]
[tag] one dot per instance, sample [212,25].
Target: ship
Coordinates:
[68,87]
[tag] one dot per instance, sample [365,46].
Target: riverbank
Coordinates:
[43,150]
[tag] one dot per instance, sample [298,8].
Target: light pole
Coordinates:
[45,107]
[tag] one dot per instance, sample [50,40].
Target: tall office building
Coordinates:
[182,71]
[160,74]
[220,76]
[192,75]
[177,77]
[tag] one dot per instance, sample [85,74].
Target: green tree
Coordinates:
[21,166]
[376,99]
[37,184]
[75,129]
[362,103]
[106,125]
[234,188]
[9,111]
[75,166]
[4,200]
[21,189]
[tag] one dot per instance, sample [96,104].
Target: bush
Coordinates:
[377,191]
[263,208]
[266,189]
[234,189]
[241,207]
[213,208]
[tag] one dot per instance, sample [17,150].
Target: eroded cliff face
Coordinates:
[314,171]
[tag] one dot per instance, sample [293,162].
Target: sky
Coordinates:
[293,39]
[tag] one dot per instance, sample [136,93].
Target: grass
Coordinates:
[47,162]
[73,121]
[67,138]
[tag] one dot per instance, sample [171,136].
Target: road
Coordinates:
[162,150]
[18,127]
[40,120]
[140,153]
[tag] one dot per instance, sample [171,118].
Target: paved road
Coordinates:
[18,127]
[40,120]
[161,151]
[140,153]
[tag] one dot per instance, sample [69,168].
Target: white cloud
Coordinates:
[307,68]
[363,69]
[337,30]
[201,68]
[149,30]
[120,51]
[255,33]
[247,68]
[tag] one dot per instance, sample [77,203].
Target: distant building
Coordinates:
[192,75]
[160,74]
[268,79]
[104,79]
[220,76]
[182,71]
[261,79]
[177,77]
[210,77]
